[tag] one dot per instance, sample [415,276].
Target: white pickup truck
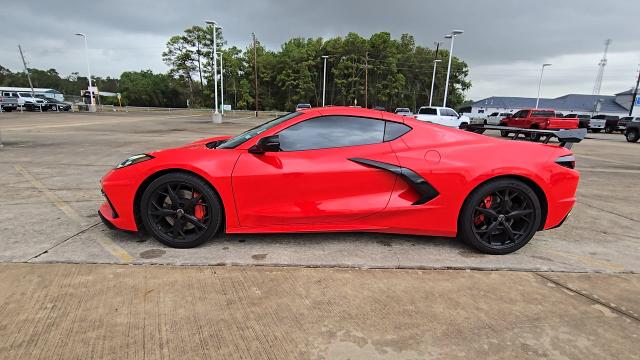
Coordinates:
[443,116]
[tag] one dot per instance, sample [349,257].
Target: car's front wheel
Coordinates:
[500,216]
[180,210]
[632,135]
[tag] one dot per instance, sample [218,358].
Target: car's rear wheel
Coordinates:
[609,130]
[180,210]
[504,133]
[632,135]
[500,216]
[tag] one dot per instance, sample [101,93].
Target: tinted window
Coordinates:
[330,132]
[494,114]
[543,113]
[505,114]
[428,111]
[394,130]
[235,141]
[598,117]
[519,114]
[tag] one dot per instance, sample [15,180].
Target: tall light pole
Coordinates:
[451,36]
[222,83]
[540,83]
[324,79]
[92,107]
[433,79]
[217,118]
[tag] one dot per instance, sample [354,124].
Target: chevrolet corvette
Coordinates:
[340,169]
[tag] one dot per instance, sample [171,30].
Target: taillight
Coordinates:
[568,161]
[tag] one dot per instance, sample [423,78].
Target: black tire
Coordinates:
[608,130]
[632,135]
[493,226]
[504,133]
[534,137]
[596,130]
[8,110]
[180,210]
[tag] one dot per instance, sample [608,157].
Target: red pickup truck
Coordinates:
[543,119]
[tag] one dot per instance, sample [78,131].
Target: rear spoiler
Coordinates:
[566,137]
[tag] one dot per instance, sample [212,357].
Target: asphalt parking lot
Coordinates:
[50,168]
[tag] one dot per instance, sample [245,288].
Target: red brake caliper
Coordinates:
[199,210]
[487,204]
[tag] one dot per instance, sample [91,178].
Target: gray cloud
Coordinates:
[504,41]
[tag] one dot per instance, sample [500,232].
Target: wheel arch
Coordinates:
[143,186]
[542,197]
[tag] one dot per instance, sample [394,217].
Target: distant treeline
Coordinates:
[399,74]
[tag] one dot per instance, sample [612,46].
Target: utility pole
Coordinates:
[28,75]
[255,66]
[366,80]
[216,116]
[635,95]
[26,70]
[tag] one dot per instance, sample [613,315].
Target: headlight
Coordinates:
[134,160]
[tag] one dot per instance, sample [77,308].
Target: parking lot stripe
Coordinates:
[107,244]
[88,123]
[53,198]
[115,250]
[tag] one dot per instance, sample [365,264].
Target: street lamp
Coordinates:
[451,36]
[222,83]
[324,80]
[540,83]
[433,79]
[92,107]
[217,118]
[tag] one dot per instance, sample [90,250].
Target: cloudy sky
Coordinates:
[504,43]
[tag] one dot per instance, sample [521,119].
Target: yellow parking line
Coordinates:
[107,244]
[55,200]
[115,250]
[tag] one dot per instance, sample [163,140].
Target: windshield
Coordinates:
[251,133]
[25,94]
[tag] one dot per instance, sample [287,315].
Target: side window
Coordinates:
[393,130]
[428,111]
[519,114]
[331,132]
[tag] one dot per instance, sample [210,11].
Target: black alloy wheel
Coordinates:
[500,217]
[181,210]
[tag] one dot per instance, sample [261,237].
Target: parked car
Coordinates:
[608,123]
[632,130]
[542,119]
[583,120]
[622,124]
[492,194]
[8,102]
[379,108]
[495,118]
[443,116]
[55,104]
[303,107]
[29,102]
[403,111]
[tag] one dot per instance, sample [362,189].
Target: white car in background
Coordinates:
[29,102]
[443,116]
[403,112]
[495,118]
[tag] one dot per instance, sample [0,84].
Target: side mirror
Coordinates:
[266,144]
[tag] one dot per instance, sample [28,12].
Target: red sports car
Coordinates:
[346,169]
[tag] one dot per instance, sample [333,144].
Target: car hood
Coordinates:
[203,142]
